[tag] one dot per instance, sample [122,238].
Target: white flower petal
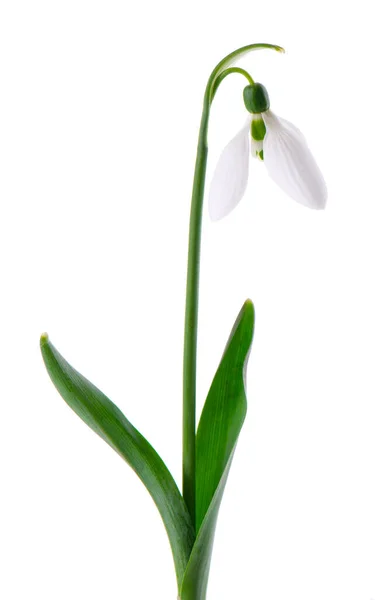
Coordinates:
[229,180]
[290,163]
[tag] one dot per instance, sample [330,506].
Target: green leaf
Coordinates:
[223,413]
[219,427]
[99,413]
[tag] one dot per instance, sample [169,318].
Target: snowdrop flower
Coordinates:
[280,145]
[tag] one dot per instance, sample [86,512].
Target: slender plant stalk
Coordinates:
[223,69]
[191,318]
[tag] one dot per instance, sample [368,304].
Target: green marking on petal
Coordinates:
[258,129]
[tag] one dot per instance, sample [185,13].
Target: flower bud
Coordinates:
[256,98]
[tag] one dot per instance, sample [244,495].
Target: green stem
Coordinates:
[192,284]
[192,296]
[191,317]
[227,72]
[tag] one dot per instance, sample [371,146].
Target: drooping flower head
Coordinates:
[282,148]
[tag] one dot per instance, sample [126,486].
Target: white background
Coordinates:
[99,112]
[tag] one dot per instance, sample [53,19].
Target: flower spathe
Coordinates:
[286,156]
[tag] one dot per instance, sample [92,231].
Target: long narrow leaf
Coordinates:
[99,413]
[224,412]
[219,427]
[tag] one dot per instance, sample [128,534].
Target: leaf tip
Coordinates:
[248,308]
[44,339]
[280,49]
